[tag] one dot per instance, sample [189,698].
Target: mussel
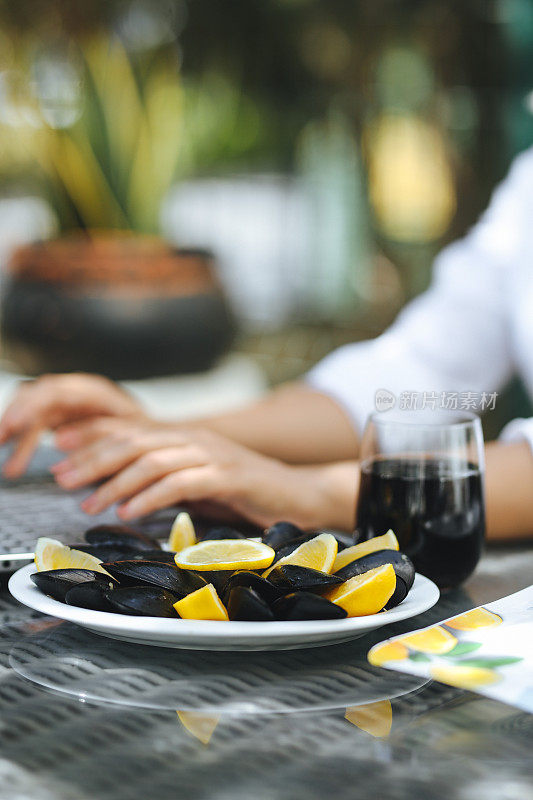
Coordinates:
[153,573]
[161,556]
[222,533]
[244,604]
[108,552]
[305,605]
[218,577]
[292,578]
[252,580]
[92,594]
[57,582]
[290,547]
[281,534]
[402,564]
[143,601]
[120,536]
[400,593]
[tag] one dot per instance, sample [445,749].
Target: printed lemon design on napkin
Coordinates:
[373,718]
[388,651]
[464,677]
[474,619]
[435,640]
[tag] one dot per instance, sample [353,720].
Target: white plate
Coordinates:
[206,635]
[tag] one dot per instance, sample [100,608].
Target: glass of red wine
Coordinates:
[422,475]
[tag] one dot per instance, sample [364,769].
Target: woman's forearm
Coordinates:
[293,423]
[509,490]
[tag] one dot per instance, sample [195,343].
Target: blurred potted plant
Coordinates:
[104,131]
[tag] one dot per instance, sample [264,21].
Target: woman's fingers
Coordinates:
[109,455]
[18,413]
[78,434]
[178,487]
[141,473]
[23,451]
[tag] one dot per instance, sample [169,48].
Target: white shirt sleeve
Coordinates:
[453,338]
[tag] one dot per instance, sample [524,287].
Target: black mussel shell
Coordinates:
[222,533]
[287,549]
[293,578]
[57,582]
[107,552]
[244,604]
[161,556]
[154,573]
[143,601]
[399,595]
[282,533]
[120,535]
[218,577]
[92,594]
[252,580]
[305,605]
[402,564]
[344,540]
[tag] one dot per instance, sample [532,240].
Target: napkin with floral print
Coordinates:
[487,650]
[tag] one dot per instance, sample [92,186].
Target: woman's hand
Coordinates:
[158,468]
[53,400]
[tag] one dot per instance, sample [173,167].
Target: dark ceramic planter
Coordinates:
[158,314]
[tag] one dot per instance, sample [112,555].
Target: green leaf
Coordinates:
[490,662]
[419,657]
[462,648]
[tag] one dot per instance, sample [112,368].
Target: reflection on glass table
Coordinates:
[86,717]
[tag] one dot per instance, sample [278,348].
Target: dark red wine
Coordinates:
[434,507]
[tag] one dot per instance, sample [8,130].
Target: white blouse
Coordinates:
[458,343]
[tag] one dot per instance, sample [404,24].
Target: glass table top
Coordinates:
[82,716]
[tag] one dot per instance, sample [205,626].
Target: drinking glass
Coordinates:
[422,475]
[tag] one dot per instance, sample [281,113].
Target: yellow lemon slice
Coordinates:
[365,594]
[204,603]
[386,542]
[201,726]
[182,533]
[464,677]
[471,620]
[217,554]
[435,640]
[388,651]
[373,718]
[318,553]
[51,554]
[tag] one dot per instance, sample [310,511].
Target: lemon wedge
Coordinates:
[204,603]
[386,542]
[182,533]
[472,620]
[215,554]
[51,554]
[435,640]
[365,594]
[318,553]
[464,677]
[387,651]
